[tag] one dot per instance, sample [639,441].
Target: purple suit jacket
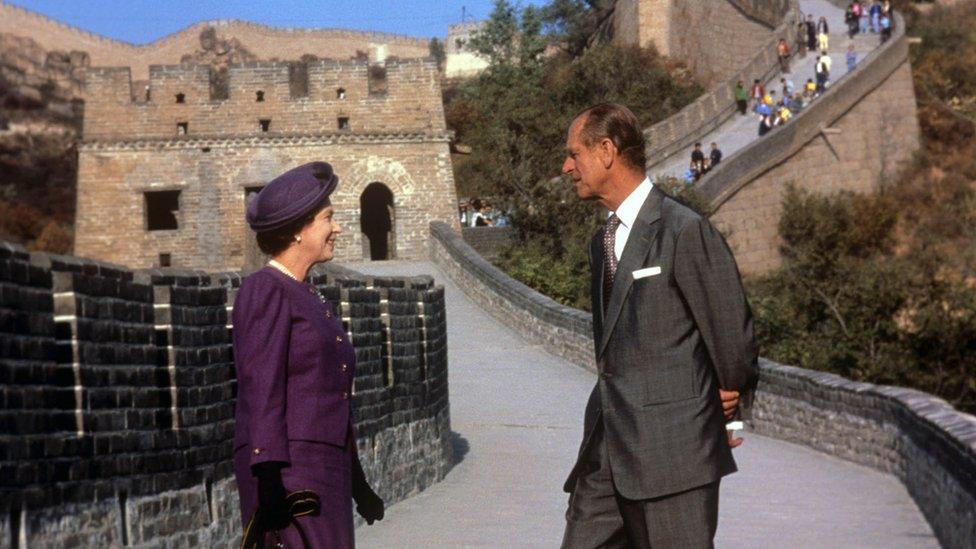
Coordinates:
[295,366]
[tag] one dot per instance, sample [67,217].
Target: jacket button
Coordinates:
[344,367]
[257,451]
[338,339]
[345,395]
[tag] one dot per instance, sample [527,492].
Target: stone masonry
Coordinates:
[854,138]
[713,37]
[117,397]
[376,123]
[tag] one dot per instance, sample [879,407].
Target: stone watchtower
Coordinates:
[165,170]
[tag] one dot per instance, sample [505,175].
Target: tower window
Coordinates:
[181,98]
[260,96]
[265,124]
[165,260]
[343,122]
[161,208]
[182,128]
[341,93]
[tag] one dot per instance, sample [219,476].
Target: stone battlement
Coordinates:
[117,393]
[260,97]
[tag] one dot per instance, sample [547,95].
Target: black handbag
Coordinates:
[300,503]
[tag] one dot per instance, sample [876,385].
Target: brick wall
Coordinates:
[489,242]
[917,437]
[263,41]
[117,398]
[715,38]
[872,131]
[396,138]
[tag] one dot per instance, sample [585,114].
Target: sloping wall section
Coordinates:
[855,137]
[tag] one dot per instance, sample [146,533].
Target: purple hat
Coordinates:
[291,195]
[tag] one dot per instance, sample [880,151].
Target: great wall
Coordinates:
[72,475]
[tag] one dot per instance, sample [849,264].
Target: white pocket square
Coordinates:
[644,273]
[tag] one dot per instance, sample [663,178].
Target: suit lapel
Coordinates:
[638,244]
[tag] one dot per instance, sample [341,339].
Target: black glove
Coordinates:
[273,510]
[368,504]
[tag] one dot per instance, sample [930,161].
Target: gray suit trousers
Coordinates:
[598,516]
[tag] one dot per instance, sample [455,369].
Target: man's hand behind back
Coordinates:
[730,405]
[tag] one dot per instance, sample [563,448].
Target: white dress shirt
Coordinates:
[627,212]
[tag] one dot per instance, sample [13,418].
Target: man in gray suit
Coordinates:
[674,346]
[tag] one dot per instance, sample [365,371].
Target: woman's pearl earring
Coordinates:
[298,238]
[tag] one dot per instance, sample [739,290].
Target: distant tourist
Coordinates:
[851,18]
[756,92]
[295,367]
[464,214]
[801,40]
[864,18]
[875,12]
[851,58]
[697,165]
[477,218]
[714,156]
[822,27]
[823,41]
[783,115]
[741,97]
[885,28]
[787,87]
[823,72]
[811,33]
[798,102]
[810,89]
[765,124]
[783,53]
[482,218]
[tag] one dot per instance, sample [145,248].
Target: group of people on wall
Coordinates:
[774,109]
[480,213]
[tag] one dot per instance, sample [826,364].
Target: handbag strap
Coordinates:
[300,503]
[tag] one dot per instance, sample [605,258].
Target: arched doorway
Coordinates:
[377,222]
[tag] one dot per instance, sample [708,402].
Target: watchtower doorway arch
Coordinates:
[377,222]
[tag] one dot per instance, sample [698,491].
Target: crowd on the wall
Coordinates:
[776,105]
[480,213]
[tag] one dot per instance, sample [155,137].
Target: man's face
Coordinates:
[583,165]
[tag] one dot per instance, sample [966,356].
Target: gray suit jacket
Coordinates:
[664,347]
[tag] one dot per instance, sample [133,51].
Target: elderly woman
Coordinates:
[295,367]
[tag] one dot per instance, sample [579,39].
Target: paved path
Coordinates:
[518,411]
[741,130]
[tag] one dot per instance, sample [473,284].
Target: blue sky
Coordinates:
[142,21]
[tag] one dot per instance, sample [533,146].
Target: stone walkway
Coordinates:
[517,412]
[741,130]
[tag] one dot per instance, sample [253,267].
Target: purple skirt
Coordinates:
[317,466]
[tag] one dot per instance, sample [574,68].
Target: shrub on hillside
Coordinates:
[514,116]
[844,302]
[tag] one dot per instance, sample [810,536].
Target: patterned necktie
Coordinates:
[609,257]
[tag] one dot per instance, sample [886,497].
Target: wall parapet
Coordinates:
[921,439]
[117,393]
[696,120]
[737,170]
[564,331]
